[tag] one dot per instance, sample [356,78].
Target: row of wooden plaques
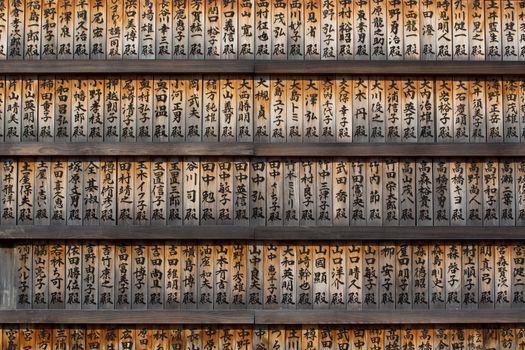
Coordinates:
[210,275]
[261,29]
[260,338]
[263,191]
[268,108]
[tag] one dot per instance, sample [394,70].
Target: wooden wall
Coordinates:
[266,175]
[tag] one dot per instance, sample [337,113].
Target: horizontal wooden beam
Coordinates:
[126,317]
[126,149]
[388,317]
[259,317]
[389,150]
[385,233]
[29,232]
[261,67]
[227,232]
[264,150]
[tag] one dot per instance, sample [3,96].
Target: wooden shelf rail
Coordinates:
[279,233]
[257,317]
[264,150]
[261,67]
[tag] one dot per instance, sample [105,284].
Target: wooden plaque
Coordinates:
[112,109]
[177,112]
[82,26]
[123,282]
[161,108]
[98,29]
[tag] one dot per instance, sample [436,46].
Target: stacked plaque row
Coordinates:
[23,337]
[260,29]
[263,191]
[276,109]
[222,275]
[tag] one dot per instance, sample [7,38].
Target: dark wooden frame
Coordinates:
[262,67]
[275,233]
[265,149]
[251,317]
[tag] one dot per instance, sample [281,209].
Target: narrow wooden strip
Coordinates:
[227,232]
[127,317]
[270,317]
[263,67]
[270,150]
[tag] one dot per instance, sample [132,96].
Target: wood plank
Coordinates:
[229,30]
[411,22]
[245,110]
[177,113]
[180,29]
[66,29]
[270,317]
[493,37]
[437,276]
[98,29]
[4,10]
[460,39]
[478,109]
[73,283]
[40,275]
[444,110]
[289,276]
[189,270]
[476,29]
[57,275]
[122,279]
[163,29]
[16,30]
[239,262]
[112,109]
[145,108]
[139,275]
[321,274]
[254,279]
[29,120]
[89,275]
[79,110]
[486,276]
[13,109]
[196,30]
[115,29]
[63,105]
[395,31]
[393,110]
[511,119]
[46,109]
[206,275]
[147,24]
[387,275]
[227,128]
[470,296]
[106,277]
[82,23]
[378,28]
[416,68]
[305,276]
[158,188]
[156,280]
[219,232]
[247,30]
